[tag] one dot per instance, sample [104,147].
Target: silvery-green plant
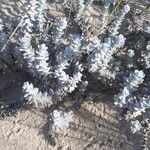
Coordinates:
[41,60]
[25,51]
[139,105]
[130,61]
[135,126]
[130,85]
[31,17]
[61,120]
[62,64]
[34,17]
[98,60]
[72,51]
[106,12]
[34,96]
[68,83]
[41,8]
[146,56]
[59,29]
[3,36]
[1,25]
[80,9]
[36,59]
[118,21]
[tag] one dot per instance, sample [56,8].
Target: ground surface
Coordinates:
[95,126]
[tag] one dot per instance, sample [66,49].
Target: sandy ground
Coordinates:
[95,128]
[95,125]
